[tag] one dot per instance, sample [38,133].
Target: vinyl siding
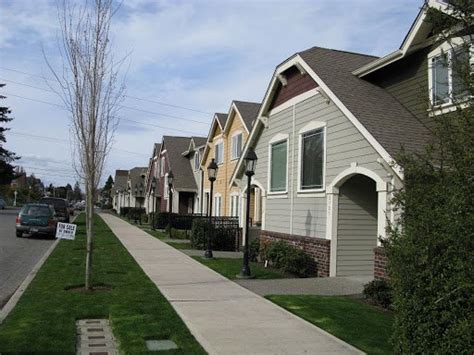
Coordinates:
[357,227]
[345,145]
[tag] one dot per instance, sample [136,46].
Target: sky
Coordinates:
[185,61]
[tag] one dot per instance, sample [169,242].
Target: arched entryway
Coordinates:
[357,200]
[356,227]
[257,208]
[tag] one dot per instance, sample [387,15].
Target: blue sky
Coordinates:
[196,54]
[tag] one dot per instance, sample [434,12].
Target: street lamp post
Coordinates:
[170,198]
[135,190]
[153,188]
[250,162]
[212,173]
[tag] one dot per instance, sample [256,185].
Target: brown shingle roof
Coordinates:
[222,118]
[387,120]
[183,174]
[120,181]
[199,141]
[249,112]
[137,177]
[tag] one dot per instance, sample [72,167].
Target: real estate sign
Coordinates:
[66,231]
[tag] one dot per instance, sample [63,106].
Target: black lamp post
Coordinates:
[250,162]
[140,195]
[153,188]
[212,173]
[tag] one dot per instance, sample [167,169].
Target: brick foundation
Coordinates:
[319,249]
[380,264]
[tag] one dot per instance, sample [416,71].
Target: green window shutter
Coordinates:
[278,166]
[312,160]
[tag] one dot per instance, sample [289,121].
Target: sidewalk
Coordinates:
[223,316]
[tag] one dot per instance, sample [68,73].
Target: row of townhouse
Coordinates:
[326,134]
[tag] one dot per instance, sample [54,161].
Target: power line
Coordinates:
[129,96]
[123,119]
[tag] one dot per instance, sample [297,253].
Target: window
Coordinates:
[162,166]
[446,83]
[219,153]
[234,205]
[217,205]
[197,160]
[312,159]
[278,166]
[236,146]
[165,188]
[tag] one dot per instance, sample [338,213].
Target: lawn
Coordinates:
[351,320]
[231,267]
[44,319]
[180,245]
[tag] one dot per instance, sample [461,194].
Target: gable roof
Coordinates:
[380,118]
[387,120]
[195,143]
[248,111]
[416,38]
[135,178]
[199,141]
[221,119]
[120,181]
[183,174]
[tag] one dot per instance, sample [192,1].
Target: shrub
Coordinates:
[162,219]
[135,213]
[378,292]
[222,238]
[254,249]
[290,259]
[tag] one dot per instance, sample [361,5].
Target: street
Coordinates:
[18,256]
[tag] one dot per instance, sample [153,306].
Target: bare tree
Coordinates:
[91,88]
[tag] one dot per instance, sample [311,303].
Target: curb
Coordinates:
[5,311]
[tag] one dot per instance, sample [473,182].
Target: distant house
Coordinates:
[136,187]
[327,137]
[119,189]
[184,188]
[227,136]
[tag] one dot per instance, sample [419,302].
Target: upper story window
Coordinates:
[447,66]
[236,146]
[219,152]
[278,169]
[162,166]
[312,157]
[197,160]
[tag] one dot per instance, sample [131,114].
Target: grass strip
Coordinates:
[231,267]
[357,323]
[44,319]
[176,245]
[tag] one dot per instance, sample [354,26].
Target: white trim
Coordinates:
[235,109]
[293,101]
[216,143]
[278,138]
[235,134]
[377,146]
[311,126]
[214,205]
[235,194]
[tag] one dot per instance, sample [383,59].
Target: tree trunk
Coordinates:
[89,231]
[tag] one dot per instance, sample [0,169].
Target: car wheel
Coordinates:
[19,234]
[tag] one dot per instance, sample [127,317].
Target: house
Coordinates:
[227,136]
[184,189]
[152,198]
[327,136]
[119,189]
[194,154]
[136,187]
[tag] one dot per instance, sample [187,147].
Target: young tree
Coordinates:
[91,90]
[7,172]
[430,254]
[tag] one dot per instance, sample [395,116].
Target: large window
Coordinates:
[278,166]
[162,166]
[312,159]
[234,205]
[197,160]
[236,146]
[219,152]
[217,205]
[446,71]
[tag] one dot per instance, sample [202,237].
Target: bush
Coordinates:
[125,211]
[135,213]
[254,249]
[162,219]
[379,293]
[290,259]
[223,239]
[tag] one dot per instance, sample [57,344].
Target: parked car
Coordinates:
[60,206]
[3,204]
[36,218]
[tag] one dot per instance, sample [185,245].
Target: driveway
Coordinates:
[17,255]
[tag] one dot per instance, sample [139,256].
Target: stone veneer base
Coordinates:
[318,248]
[380,264]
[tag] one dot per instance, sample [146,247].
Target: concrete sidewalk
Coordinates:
[223,316]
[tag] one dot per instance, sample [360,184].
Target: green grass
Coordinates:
[180,245]
[231,267]
[351,320]
[44,319]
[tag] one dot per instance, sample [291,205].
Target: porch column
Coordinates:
[332,197]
